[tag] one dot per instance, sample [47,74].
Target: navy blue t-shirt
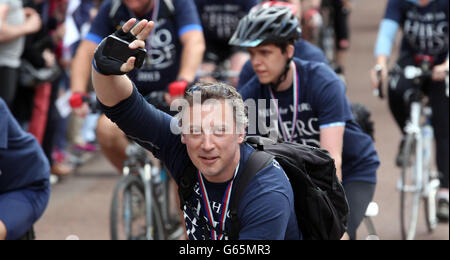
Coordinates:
[22,162]
[266,211]
[304,50]
[164,50]
[323,103]
[221,17]
[425,29]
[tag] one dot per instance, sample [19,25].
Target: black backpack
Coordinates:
[319,198]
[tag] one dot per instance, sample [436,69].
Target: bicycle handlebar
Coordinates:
[413,72]
[379,90]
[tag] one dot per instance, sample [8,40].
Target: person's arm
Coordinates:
[331,139]
[388,29]
[383,49]
[9,32]
[81,63]
[123,105]
[81,66]
[333,112]
[112,89]
[190,34]
[3,12]
[3,231]
[440,71]
[192,54]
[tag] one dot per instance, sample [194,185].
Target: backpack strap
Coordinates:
[186,185]
[258,160]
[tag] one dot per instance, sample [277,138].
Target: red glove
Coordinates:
[178,87]
[77,99]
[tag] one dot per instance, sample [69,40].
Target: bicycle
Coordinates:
[417,180]
[140,208]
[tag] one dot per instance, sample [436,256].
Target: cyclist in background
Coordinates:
[219,20]
[310,103]
[424,24]
[304,50]
[24,178]
[175,51]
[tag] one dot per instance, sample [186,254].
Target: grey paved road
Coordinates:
[79,206]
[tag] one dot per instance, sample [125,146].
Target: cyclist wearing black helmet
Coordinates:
[322,114]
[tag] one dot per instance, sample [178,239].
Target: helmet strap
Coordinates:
[282,77]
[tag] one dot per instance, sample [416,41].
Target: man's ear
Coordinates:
[290,49]
[183,139]
[241,135]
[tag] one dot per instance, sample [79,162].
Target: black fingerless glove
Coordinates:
[113,51]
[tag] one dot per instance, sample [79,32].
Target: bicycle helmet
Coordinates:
[269,22]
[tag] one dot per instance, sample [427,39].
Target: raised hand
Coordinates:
[107,63]
[141,31]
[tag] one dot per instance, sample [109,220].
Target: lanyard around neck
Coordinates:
[296,99]
[225,205]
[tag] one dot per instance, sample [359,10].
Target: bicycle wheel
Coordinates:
[430,182]
[410,192]
[127,219]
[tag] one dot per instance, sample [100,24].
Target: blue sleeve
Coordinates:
[388,28]
[151,128]
[101,26]
[386,37]
[329,98]
[187,18]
